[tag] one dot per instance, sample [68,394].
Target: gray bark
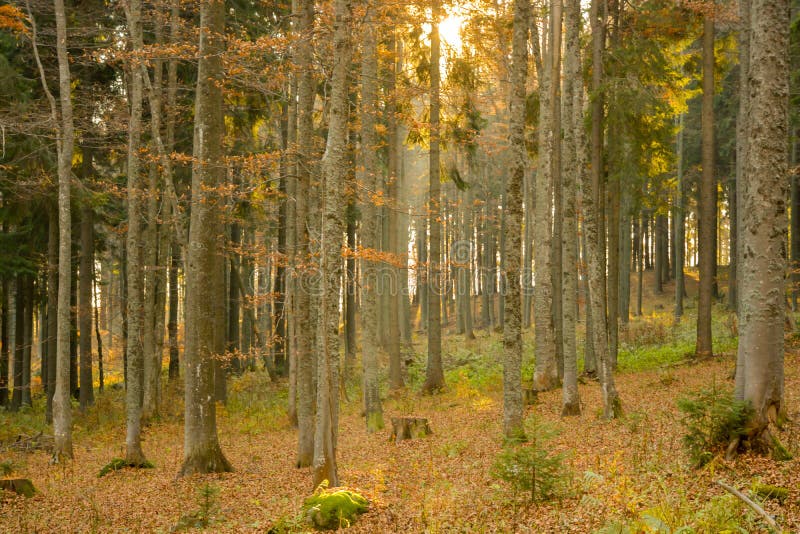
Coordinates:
[763,266]
[334,173]
[205,336]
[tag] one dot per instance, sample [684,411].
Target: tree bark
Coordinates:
[434,373]
[85,301]
[62,410]
[762,291]
[370,226]
[306,359]
[512,328]
[680,226]
[334,171]
[707,198]
[573,118]
[204,334]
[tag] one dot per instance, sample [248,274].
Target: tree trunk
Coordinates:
[303,323]
[707,198]
[62,409]
[546,367]
[512,329]
[434,373]
[4,352]
[85,303]
[593,201]
[762,291]
[19,341]
[135,296]
[573,118]
[52,310]
[334,172]
[555,161]
[172,323]
[680,226]
[370,227]
[205,266]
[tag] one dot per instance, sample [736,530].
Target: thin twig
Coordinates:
[749,502]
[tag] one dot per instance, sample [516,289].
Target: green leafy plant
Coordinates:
[329,509]
[120,463]
[713,419]
[530,466]
[206,512]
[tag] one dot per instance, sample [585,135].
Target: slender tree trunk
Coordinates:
[762,291]
[4,352]
[707,198]
[569,185]
[546,367]
[98,337]
[27,333]
[680,226]
[593,201]
[434,373]
[135,290]
[205,266]
[19,341]
[172,324]
[370,226]
[555,116]
[513,406]
[85,303]
[52,309]
[334,172]
[62,410]
[659,261]
[303,322]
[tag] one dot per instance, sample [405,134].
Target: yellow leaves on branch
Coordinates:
[12,19]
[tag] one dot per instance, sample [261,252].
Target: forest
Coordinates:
[425,266]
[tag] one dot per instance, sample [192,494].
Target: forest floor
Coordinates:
[626,473]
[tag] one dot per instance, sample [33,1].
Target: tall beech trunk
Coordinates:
[546,366]
[205,336]
[62,409]
[593,202]
[763,266]
[513,406]
[135,290]
[707,198]
[434,372]
[334,172]
[370,228]
[306,357]
[573,119]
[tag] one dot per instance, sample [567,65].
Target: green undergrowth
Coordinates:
[255,404]
[654,341]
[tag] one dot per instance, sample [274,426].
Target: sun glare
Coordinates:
[450,31]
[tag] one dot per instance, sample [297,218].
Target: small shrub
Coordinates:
[329,509]
[713,419]
[205,513]
[120,463]
[531,467]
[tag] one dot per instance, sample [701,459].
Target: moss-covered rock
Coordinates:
[329,509]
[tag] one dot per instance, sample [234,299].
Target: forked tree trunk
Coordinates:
[205,266]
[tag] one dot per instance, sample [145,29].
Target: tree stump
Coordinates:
[530,396]
[20,486]
[409,428]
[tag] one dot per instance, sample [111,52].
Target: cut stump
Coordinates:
[409,428]
[20,486]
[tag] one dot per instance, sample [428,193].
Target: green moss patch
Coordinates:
[329,509]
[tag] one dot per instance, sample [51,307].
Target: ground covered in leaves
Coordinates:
[629,473]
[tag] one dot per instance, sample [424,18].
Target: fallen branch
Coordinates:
[749,502]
